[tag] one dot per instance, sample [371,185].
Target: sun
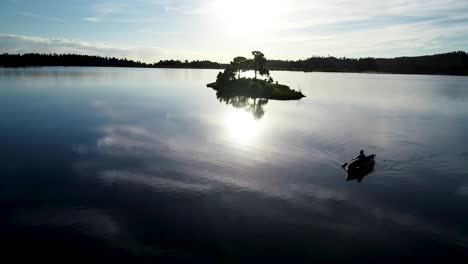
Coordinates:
[247,16]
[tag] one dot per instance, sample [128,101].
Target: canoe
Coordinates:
[357,167]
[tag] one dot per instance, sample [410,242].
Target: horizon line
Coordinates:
[183,61]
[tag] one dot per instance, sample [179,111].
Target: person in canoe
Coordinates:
[362,158]
[359,167]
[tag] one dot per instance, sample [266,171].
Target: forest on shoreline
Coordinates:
[453,63]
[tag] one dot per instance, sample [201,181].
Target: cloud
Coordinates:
[37,16]
[92,19]
[302,28]
[383,29]
[137,12]
[294,29]
[390,40]
[312,13]
[26,44]
[109,8]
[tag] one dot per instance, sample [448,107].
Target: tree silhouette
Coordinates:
[228,74]
[240,64]
[258,63]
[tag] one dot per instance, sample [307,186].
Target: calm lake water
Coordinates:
[147,164]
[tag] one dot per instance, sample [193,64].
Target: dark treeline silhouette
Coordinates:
[16,60]
[453,63]
[204,64]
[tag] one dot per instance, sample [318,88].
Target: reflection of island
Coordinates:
[254,106]
[227,83]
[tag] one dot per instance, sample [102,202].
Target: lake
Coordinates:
[148,164]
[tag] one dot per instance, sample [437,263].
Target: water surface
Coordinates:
[145,164]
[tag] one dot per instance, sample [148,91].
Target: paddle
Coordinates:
[346,164]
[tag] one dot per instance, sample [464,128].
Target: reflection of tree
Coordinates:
[254,106]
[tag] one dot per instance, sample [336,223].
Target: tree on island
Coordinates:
[258,64]
[240,64]
[228,74]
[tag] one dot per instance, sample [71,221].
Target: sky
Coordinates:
[218,30]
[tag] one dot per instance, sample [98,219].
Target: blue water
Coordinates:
[148,164]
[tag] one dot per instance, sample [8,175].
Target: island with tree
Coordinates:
[230,84]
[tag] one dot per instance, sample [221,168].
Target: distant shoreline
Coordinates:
[188,68]
[182,68]
[452,64]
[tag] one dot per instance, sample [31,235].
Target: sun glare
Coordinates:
[247,16]
[241,126]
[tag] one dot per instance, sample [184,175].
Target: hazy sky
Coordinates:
[150,30]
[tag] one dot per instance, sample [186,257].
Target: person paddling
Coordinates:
[362,158]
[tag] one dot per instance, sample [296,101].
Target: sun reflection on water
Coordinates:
[241,126]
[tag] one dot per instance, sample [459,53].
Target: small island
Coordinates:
[228,85]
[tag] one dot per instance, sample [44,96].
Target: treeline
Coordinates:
[32,59]
[16,60]
[204,64]
[454,63]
